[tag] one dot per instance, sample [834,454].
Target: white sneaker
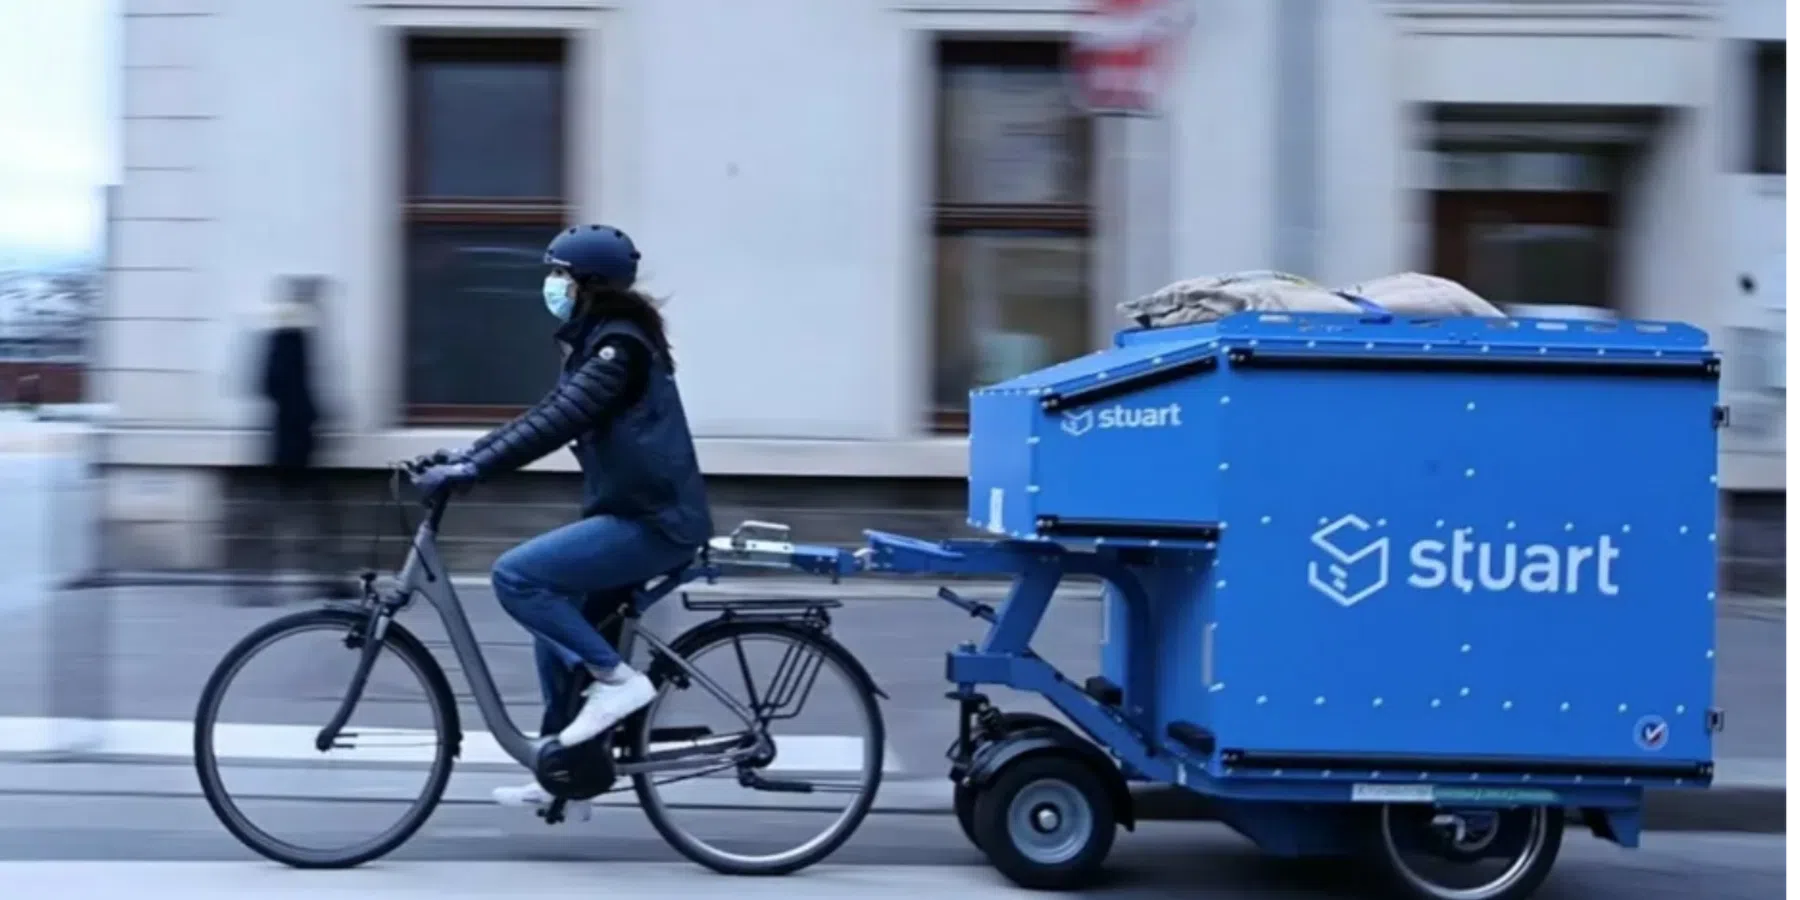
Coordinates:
[534,796]
[607,705]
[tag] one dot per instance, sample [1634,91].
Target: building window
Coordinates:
[1012,217]
[1527,226]
[485,191]
[1768,137]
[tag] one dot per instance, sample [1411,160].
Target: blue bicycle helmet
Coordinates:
[595,252]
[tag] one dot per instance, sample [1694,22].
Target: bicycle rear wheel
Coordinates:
[267,760]
[758,803]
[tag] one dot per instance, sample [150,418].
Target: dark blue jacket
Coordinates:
[617,405]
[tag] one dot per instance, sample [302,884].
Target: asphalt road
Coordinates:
[136,844]
[144,652]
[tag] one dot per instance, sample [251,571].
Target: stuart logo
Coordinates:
[1356,561]
[1348,574]
[1076,424]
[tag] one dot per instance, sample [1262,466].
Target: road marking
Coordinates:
[164,739]
[30,880]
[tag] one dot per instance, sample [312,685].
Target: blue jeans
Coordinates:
[544,583]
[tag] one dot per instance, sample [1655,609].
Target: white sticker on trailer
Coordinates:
[996,522]
[1392,793]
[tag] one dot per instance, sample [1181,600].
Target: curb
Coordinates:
[1743,809]
[1739,808]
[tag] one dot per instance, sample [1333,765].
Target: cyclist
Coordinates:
[644,508]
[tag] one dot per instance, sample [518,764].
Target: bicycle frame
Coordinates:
[424,575]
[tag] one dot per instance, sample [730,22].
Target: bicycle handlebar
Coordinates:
[411,469]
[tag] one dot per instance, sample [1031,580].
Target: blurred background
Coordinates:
[854,218]
[857,210]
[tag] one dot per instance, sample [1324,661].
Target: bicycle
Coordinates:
[636,749]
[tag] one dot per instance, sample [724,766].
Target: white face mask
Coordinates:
[559,296]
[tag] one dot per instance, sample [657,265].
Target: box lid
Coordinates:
[1174,348]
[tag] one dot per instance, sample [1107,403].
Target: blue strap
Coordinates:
[1366,305]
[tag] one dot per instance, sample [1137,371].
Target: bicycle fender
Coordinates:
[433,672]
[994,756]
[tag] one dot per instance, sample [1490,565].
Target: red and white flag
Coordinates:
[1124,53]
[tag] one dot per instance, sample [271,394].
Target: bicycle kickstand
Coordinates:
[553,814]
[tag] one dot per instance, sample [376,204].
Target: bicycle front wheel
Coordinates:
[786,809]
[261,714]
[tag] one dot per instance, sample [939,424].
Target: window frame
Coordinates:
[1768,73]
[416,208]
[949,219]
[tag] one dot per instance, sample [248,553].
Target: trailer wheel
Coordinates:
[1429,853]
[1046,822]
[963,796]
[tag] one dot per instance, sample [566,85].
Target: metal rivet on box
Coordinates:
[1226,399]
[1032,440]
[1626,529]
[1381,523]
[1155,542]
[1712,536]
[1221,583]
[1262,700]
[1031,489]
[1318,701]
[1681,710]
[1684,529]
[1465,692]
[1265,520]
[1223,466]
[1468,473]
[1568,526]
[1435,703]
[1218,687]
[1465,648]
[1623,707]
[1377,701]
[1506,705]
[1323,520]
[1440,523]
[1712,595]
[1511,525]
[1709,654]
[1471,406]
[1713,479]
[1565,706]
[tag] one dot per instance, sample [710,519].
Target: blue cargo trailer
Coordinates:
[1405,588]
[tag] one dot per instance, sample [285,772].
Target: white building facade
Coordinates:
[857,208]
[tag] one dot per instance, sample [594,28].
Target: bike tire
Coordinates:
[689,645]
[410,651]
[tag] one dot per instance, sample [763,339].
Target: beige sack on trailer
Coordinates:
[1417,294]
[1213,297]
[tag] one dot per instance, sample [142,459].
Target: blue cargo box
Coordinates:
[1388,541]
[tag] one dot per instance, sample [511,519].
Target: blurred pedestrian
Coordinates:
[299,517]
